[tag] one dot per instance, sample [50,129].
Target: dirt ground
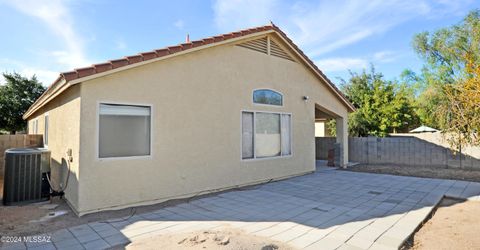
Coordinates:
[32,219]
[454,225]
[428,172]
[224,239]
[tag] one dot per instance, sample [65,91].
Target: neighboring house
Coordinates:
[225,111]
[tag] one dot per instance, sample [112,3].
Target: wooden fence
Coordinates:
[17,141]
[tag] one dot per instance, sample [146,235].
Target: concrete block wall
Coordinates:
[322,145]
[409,150]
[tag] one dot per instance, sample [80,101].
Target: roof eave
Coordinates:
[312,65]
[99,70]
[193,49]
[52,91]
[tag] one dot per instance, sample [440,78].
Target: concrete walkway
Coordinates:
[330,209]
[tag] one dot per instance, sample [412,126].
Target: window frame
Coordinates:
[254,140]
[35,126]
[267,105]
[46,125]
[97,132]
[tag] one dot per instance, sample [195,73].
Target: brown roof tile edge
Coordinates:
[128,60]
[329,82]
[145,56]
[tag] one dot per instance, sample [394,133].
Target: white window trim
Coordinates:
[35,126]
[254,141]
[267,105]
[46,130]
[97,133]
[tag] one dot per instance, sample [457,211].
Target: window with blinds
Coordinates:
[124,130]
[265,134]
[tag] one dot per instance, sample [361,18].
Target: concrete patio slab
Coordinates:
[329,209]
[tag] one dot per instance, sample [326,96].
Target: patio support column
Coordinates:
[342,140]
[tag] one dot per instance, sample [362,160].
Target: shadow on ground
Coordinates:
[328,209]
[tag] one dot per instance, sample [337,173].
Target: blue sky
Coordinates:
[45,37]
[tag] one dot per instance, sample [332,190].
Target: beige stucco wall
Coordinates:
[64,133]
[197,101]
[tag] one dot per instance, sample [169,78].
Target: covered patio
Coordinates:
[322,117]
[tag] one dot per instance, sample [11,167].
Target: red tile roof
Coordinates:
[150,55]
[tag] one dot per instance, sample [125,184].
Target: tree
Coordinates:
[16,96]
[446,50]
[460,112]
[451,79]
[426,94]
[446,53]
[382,106]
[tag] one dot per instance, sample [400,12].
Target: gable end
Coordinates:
[268,46]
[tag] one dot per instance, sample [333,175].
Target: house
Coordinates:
[221,112]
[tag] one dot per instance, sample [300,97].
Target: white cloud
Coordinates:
[320,27]
[44,75]
[332,25]
[56,15]
[341,64]
[385,56]
[337,64]
[179,24]
[343,41]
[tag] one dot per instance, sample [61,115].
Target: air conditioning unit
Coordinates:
[26,171]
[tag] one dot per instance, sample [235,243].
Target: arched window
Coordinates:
[268,97]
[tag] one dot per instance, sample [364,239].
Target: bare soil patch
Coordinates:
[224,239]
[32,219]
[424,171]
[454,225]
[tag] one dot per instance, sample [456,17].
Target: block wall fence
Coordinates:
[402,149]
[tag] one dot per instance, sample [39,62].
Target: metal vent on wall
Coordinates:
[261,45]
[275,50]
